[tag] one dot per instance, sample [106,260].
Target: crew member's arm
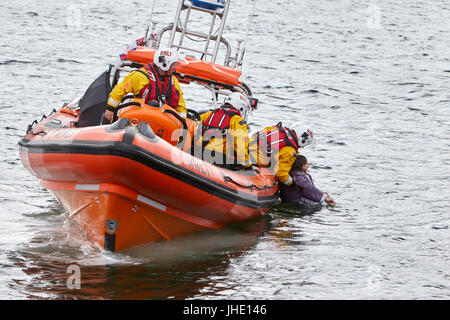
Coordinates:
[286,159]
[203,117]
[181,103]
[239,131]
[253,150]
[132,83]
[258,154]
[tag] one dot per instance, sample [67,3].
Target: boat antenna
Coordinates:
[250,20]
[150,21]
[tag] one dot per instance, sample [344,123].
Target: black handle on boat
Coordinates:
[128,96]
[176,115]
[196,115]
[131,103]
[182,120]
[136,65]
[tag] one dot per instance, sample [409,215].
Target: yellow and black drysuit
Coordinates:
[225,137]
[146,84]
[275,147]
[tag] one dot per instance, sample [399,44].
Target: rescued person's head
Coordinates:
[300,164]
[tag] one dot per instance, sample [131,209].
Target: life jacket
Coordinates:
[276,139]
[155,90]
[218,123]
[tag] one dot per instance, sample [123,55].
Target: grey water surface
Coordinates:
[370,77]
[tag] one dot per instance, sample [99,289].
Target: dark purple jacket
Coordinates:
[302,190]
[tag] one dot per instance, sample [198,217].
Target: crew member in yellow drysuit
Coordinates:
[225,134]
[152,82]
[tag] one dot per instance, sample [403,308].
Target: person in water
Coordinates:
[302,190]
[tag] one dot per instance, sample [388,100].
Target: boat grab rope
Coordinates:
[42,132]
[251,186]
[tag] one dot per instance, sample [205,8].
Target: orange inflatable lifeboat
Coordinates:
[135,181]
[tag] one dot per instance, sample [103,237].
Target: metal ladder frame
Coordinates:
[234,62]
[208,37]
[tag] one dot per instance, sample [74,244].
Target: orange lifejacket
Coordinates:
[155,90]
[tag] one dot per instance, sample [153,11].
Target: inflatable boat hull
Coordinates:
[126,186]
